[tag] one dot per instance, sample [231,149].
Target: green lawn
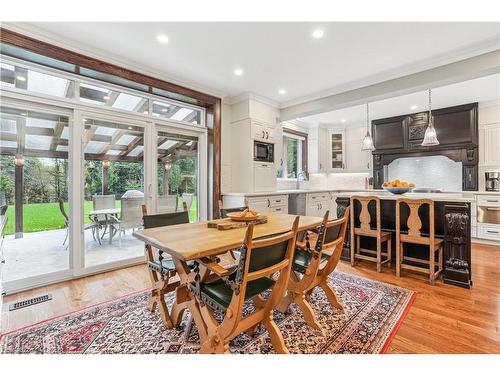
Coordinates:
[46,216]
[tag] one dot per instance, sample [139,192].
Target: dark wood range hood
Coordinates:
[401,137]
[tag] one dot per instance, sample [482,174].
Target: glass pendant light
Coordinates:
[430,137]
[368,140]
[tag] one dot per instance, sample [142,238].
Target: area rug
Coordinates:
[372,314]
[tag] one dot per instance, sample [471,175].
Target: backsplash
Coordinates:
[337,181]
[430,172]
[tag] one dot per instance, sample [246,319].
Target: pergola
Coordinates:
[34,134]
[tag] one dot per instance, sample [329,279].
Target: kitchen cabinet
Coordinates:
[336,150]
[262,131]
[356,159]
[316,150]
[264,177]
[489,141]
[271,203]
[318,204]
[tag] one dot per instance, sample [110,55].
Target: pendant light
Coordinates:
[368,140]
[430,137]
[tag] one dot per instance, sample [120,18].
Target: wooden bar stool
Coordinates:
[415,236]
[366,229]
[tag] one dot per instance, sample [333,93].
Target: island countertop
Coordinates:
[438,197]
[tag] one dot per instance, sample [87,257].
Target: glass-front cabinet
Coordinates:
[336,149]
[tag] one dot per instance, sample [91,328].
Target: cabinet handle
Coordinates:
[268,203]
[3,261]
[492,231]
[263,134]
[278,201]
[492,209]
[267,135]
[490,201]
[277,209]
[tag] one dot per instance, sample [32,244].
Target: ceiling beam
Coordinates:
[474,67]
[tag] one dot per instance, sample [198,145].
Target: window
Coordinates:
[294,156]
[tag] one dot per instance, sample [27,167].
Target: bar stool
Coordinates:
[366,229]
[415,236]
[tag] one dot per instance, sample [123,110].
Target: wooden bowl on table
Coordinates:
[247,215]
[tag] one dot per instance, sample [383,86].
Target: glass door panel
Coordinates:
[177,173]
[113,170]
[34,168]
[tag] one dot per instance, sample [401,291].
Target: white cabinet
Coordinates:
[263,132]
[336,150]
[357,160]
[489,141]
[318,203]
[271,203]
[264,177]
[316,150]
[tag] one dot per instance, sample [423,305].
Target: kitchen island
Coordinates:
[452,224]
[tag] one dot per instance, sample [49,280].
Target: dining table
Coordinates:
[107,213]
[194,241]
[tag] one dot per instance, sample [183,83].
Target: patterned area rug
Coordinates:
[373,312]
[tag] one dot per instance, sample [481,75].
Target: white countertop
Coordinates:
[458,196]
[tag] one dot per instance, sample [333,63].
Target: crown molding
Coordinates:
[252,96]
[36,33]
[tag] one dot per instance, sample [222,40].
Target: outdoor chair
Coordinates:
[311,268]
[93,226]
[101,202]
[130,216]
[161,269]
[260,260]
[167,203]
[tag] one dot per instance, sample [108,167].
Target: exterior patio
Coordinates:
[43,252]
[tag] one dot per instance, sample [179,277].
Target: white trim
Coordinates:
[252,96]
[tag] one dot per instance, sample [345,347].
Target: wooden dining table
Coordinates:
[189,242]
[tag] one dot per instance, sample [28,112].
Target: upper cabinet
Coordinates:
[336,150]
[455,127]
[262,131]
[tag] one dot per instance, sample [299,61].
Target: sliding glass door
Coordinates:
[179,171]
[113,178]
[35,191]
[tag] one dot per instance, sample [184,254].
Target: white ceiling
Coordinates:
[277,56]
[484,89]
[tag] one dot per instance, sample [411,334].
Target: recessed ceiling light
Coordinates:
[238,72]
[164,110]
[21,78]
[318,33]
[106,97]
[146,112]
[130,128]
[413,107]
[282,91]
[343,120]
[162,38]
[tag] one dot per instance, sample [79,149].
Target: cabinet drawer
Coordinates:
[279,209]
[268,201]
[488,200]
[278,200]
[315,197]
[488,231]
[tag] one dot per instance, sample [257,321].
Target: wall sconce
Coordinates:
[19,161]
[106,164]
[167,165]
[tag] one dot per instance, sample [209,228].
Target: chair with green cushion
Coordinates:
[311,268]
[260,259]
[162,269]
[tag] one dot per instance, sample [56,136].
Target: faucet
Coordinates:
[301,176]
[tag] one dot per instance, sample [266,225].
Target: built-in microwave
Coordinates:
[263,152]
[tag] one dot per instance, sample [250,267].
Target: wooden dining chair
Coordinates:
[260,260]
[161,268]
[311,268]
[368,229]
[414,235]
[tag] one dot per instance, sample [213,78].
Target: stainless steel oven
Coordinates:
[263,152]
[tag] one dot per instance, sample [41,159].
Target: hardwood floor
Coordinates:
[443,318]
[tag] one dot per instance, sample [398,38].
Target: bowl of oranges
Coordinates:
[398,186]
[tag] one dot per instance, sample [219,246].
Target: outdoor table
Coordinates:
[107,212]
